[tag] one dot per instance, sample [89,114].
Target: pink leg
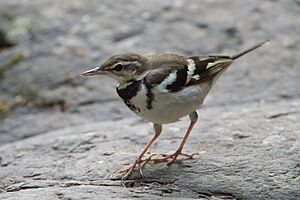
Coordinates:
[157,129]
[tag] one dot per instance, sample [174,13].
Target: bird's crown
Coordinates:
[122,67]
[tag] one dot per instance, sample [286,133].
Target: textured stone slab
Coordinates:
[247,151]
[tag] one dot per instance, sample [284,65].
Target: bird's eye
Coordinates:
[118,67]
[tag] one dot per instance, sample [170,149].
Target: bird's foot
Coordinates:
[138,164]
[170,158]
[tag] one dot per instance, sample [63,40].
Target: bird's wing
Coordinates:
[175,72]
[207,68]
[195,70]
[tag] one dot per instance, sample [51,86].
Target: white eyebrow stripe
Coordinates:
[129,62]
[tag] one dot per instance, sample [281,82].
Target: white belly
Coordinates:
[168,107]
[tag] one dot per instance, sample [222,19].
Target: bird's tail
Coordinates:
[248,50]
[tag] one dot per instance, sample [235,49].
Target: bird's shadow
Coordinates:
[152,172]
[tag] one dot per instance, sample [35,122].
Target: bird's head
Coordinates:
[122,67]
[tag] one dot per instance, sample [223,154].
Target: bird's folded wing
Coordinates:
[196,71]
[208,68]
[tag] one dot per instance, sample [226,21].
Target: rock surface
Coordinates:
[62,136]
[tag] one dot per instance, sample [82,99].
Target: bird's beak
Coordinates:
[95,71]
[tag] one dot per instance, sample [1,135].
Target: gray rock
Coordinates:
[81,159]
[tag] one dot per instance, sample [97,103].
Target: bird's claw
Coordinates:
[140,163]
[173,157]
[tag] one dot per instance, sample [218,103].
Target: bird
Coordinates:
[163,88]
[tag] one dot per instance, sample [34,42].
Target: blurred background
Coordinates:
[45,45]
